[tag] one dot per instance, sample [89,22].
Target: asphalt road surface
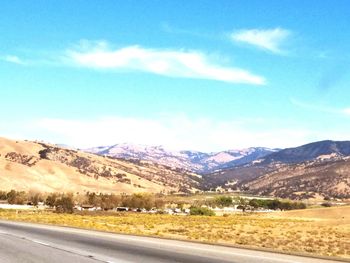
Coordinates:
[24,242]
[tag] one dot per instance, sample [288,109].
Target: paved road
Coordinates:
[23,242]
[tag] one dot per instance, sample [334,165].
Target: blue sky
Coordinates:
[201,75]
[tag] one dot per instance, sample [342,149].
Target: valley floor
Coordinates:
[324,232]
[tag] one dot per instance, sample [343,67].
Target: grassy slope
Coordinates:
[319,232]
[340,214]
[60,173]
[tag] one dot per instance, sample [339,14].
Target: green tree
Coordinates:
[35,198]
[242,204]
[65,204]
[14,197]
[3,195]
[11,197]
[254,203]
[274,204]
[93,199]
[51,199]
[201,211]
[223,201]
[141,201]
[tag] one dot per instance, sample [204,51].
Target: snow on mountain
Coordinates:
[195,161]
[222,157]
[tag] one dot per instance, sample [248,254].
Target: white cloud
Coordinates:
[171,63]
[267,39]
[177,132]
[174,132]
[13,59]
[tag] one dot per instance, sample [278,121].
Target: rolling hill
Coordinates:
[311,170]
[316,170]
[311,151]
[327,178]
[39,166]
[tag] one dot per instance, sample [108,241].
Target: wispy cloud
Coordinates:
[171,63]
[320,108]
[266,39]
[13,59]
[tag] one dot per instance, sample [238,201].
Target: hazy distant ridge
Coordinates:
[311,170]
[196,161]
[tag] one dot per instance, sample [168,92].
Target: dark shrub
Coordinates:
[65,204]
[201,211]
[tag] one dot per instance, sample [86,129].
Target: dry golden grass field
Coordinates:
[323,231]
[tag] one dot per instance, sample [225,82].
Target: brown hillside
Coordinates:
[306,180]
[38,166]
[323,177]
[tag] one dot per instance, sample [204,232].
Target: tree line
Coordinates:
[65,202]
[252,204]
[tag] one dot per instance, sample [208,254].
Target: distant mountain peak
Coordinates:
[195,161]
[309,151]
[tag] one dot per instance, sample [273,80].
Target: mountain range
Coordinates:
[315,170]
[195,161]
[308,171]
